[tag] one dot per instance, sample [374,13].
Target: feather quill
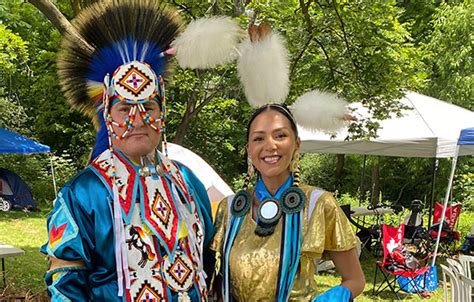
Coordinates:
[264,70]
[208,42]
[317,110]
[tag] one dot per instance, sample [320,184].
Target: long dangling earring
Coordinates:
[250,173]
[295,168]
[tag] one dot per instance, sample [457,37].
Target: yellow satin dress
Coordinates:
[254,260]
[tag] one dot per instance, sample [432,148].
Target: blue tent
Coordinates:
[465,146]
[14,192]
[13,143]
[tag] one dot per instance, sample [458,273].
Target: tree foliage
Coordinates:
[369,51]
[451,54]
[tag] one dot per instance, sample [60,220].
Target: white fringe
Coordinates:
[208,42]
[264,70]
[317,110]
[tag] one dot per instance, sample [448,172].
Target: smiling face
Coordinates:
[271,145]
[141,139]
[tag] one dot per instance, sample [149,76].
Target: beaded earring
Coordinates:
[295,161]
[250,173]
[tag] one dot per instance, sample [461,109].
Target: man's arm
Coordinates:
[67,276]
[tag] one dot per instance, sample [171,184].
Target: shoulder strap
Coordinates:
[315,194]
[229,204]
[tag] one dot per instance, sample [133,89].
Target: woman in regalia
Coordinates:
[271,234]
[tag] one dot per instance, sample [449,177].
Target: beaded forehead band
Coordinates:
[134,83]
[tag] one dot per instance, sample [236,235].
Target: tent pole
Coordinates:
[54,177]
[432,197]
[446,198]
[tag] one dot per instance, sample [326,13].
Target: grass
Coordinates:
[329,279]
[28,231]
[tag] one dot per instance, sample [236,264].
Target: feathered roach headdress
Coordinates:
[129,44]
[118,32]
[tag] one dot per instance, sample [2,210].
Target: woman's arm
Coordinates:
[348,266]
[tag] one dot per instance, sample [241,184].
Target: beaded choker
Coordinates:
[271,208]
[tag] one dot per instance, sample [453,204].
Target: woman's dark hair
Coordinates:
[283,109]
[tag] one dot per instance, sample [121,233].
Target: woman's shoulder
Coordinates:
[319,198]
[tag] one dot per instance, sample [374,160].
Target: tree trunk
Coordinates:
[59,21]
[238,8]
[183,126]
[340,159]
[375,184]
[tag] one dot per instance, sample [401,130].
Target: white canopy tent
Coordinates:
[431,129]
[215,186]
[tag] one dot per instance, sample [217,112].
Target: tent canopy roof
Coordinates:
[466,141]
[13,143]
[430,129]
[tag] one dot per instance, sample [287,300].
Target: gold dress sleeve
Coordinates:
[328,229]
[220,225]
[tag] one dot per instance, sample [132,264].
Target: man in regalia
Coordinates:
[133,225]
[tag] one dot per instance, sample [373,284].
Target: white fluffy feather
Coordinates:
[264,70]
[317,110]
[208,42]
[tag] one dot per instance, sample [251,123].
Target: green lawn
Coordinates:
[28,232]
[25,230]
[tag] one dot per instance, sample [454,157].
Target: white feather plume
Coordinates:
[208,42]
[317,110]
[264,70]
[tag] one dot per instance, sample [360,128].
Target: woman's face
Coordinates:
[271,145]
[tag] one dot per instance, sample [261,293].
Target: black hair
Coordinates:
[283,109]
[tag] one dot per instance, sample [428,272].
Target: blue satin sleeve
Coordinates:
[80,228]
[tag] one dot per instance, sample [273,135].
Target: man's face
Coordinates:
[141,139]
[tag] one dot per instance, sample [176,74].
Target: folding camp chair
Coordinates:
[449,236]
[416,236]
[392,238]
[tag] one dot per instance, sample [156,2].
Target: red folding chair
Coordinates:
[449,236]
[393,238]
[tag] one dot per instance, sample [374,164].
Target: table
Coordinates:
[8,251]
[364,211]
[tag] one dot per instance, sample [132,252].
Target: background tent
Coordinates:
[217,188]
[430,129]
[13,143]
[16,191]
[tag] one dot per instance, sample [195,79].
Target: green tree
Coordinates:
[451,52]
[34,84]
